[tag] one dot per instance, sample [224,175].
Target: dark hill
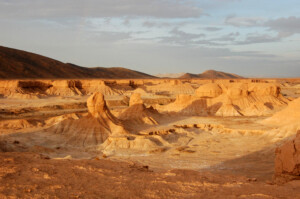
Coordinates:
[211,74]
[189,76]
[18,64]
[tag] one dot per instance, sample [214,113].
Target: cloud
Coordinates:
[285,26]
[151,24]
[179,37]
[259,38]
[109,37]
[251,54]
[212,29]
[228,37]
[163,24]
[99,8]
[243,21]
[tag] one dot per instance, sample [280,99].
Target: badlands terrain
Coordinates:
[150,138]
[72,132]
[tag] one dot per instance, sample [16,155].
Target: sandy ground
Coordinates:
[29,175]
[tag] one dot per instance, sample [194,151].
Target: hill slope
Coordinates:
[170,75]
[189,76]
[16,64]
[211,74]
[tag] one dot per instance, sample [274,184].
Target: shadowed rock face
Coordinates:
[288,157]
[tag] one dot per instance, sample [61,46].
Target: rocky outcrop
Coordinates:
[135,99]
[22,89]
[230,99]
[173,87]
[209,90]
[33,89]
[186,105]
[228,109]
[92,129]
[290,116]
[287,160]
[66,88]
[143,93]
[92,86]
[137,112]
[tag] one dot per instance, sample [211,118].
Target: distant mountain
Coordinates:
[211,74]
[189,76]
[170,75]
[18,64]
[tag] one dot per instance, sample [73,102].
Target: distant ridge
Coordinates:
[189,76]
[18,64]
[211,74]
[170,75]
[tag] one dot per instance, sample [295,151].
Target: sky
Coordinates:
[252,38]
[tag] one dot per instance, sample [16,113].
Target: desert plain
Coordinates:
[150,138]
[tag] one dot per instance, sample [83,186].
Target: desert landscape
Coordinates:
[215,136]
[154,99]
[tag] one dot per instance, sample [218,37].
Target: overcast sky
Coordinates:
[248,37]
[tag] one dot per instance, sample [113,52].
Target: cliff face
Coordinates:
[229,99]
[17,64]
[40,88]
[287,160]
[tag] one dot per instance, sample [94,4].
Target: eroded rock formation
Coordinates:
[287,160]
[230,99]
[209,90]
[92,129]
[173,87]
[33,89]
[137,112]
[290,116]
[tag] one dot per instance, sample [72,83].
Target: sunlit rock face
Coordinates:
[137,112]
[96,104]
[92,129]
[209,90]
[287,160]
